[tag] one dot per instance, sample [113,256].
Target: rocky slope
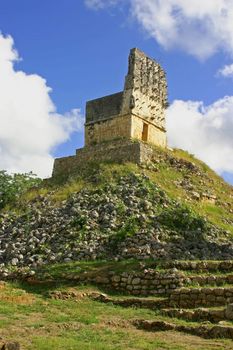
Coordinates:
[173,208]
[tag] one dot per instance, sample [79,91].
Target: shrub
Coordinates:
[13,186]
[130,228]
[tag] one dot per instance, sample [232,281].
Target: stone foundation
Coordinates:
[118,151]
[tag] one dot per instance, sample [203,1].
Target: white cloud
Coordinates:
[205,132]
[199,27]
[226,71]
[30,127]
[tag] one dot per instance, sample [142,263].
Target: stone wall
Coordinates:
[195,297]
[104,107]
[116,151]
[155,135]
[125,126]
[154,283]
[108,129]
[203,266]
[149,283]
[145,91]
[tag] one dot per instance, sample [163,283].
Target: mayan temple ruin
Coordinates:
[124,126]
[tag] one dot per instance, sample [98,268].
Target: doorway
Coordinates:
[145,132]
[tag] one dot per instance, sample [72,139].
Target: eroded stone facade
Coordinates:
[145,91]
[136,113]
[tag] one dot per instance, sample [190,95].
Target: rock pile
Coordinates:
[126,219]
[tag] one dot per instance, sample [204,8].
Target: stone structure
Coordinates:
[137,113]
[115,150]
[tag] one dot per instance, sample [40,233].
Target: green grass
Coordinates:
[42,323]
[89,340]
[83,339]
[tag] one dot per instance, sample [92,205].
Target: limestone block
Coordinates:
[136,281]
[116,279]
[229,312]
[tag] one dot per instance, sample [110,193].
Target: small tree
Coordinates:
[13,186]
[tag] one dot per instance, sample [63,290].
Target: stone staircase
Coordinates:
[196,292]
[203,295]
[210,322]
[205,318]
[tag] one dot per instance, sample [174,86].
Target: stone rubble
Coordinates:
[118,221]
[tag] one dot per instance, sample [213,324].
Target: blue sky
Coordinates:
[81,47]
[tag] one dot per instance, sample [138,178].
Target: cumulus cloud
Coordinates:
[30,127]
[226,71]
[205,131]
[199,27]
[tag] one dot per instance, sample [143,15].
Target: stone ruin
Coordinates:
[122,126]
[138,112]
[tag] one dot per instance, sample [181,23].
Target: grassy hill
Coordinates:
[110,221]
[179,174]
[180,208]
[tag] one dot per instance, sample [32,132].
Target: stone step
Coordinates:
[204,331]
[137,302]
[196,297]
[186,298]
[202,266]
[212,280]
[197,315]
[150,303]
